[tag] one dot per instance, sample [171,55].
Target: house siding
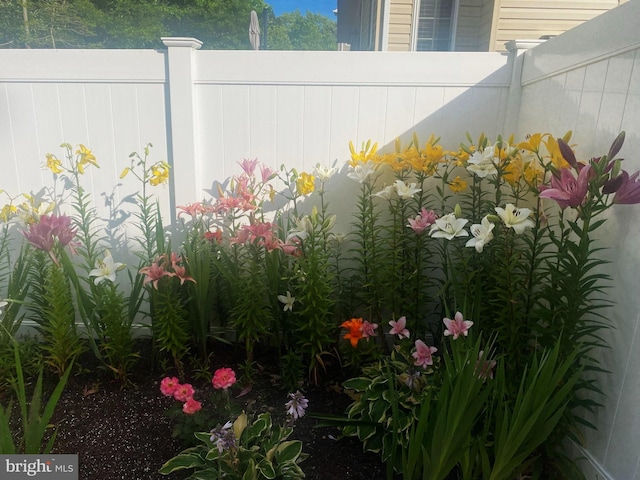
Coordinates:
[400,21]
[532,19]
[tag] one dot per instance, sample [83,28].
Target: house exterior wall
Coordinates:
[532,19]
[486,25]
[588,80]
[400,23]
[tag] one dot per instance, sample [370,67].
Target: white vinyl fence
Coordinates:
[203,111]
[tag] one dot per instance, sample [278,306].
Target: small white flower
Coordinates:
[448,226]
[323,173]
[481,234]
[516,218]
[406,191]
[288,301]
[362,171]
[106,269]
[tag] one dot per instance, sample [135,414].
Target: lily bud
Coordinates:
[616,146]
[566,152]
[457,211]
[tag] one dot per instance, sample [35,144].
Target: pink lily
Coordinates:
[423,354]
[248,166]
[629,190]
[368,329]
[458,326]
[423,220]
[399,327]
[566,189]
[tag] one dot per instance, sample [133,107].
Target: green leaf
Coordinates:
[288,451]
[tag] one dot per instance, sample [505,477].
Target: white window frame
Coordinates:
[416,19]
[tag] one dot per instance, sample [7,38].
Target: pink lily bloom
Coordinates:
[399,327]
[629,190]
[49,230]
[248,166]
[266,173]
[369,329]
[423,220]
[458,326]
[154,273]
[423,354]
[566,189]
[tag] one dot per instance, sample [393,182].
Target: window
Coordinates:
[435,25]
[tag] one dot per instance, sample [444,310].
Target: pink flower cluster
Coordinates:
[162,267]
[182,392]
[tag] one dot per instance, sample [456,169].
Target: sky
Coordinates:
[323,7]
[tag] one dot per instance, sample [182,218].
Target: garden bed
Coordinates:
[125,433]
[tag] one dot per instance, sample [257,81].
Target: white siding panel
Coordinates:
[210,136]
[48,118]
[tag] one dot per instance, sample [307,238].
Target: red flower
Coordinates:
[191,406]
[183,392]
[223,378]
[168,386]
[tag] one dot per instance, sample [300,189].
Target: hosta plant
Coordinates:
[242,450]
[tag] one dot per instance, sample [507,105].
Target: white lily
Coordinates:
[483,164]
[288,301]
[482,234]
[516,218]
[106,269]
[449,226]
[362,171]
[384,193]
[302,229]
[406,191]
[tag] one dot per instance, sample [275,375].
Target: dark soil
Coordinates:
[125,433]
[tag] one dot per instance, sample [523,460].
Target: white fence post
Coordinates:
[516,48]
[182,129]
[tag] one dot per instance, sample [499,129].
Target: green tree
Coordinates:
[293,31]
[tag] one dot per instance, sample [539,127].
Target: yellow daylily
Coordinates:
[53,164]
[554,153]
[86,158]
[367,153]
[159,174]
[305,183]
[7,212]
[512,171]
[458,185]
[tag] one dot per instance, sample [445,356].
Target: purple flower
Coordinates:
[224,437]
[566,189]
[629,190]
[296,405]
